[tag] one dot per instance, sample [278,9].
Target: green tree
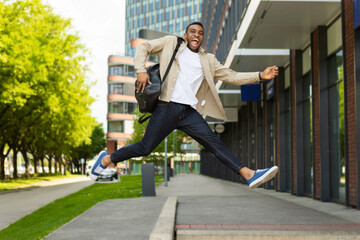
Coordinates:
[44,97]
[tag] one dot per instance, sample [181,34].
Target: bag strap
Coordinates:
[179,41]
[142,119]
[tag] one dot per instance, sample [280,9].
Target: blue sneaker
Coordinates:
[98,168]
[262,176]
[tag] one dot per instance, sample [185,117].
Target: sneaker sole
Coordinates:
[92,176]
[264,178]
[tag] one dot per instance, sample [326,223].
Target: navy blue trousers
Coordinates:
[169,116]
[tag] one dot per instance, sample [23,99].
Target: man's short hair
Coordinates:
[194,23]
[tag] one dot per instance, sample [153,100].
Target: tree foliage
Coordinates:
[44,97]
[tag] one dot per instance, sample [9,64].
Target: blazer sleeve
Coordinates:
[228,75]
[143,50]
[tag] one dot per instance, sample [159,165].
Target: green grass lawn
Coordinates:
[11,184]
[52,216]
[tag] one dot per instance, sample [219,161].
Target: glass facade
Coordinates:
[170,16]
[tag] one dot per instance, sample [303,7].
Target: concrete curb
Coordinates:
[261,235]
[164,227]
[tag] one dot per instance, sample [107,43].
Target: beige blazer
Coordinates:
[208,99]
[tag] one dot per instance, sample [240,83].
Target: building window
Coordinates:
[181,11]
[160,17]
[138,7]
[167,14]
[185,21]
[130,107]
[147,19]
[115,107]
[178,25]
[116,70]
[130,70]
[144,7]
[151,5]
[116,88]
[188,9]
[173,14]
[171,26]
[157,4]
[164,27]
[153,18]
[163,4]
[132,11]
[116,126]
[121,107]
[141,20]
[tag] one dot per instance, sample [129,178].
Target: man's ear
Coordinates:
[185,36]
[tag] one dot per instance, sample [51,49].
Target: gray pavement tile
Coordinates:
[130,219]
[248,210]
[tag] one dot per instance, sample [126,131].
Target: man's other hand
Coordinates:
[270,72]
[143,79]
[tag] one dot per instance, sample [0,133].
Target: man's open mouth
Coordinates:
[194,42]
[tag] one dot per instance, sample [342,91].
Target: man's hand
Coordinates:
[142,78]
[270,72]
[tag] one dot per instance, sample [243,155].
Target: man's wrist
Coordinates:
[261,79]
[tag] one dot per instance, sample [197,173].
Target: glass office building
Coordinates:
[170,16]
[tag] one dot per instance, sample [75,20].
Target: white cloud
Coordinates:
[101,28]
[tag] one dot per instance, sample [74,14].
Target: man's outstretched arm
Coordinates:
[228,75]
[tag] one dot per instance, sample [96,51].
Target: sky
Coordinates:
[101,28]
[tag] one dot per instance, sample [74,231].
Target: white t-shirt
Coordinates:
[189,80]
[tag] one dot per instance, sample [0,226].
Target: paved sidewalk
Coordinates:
[19,203]
[210,204]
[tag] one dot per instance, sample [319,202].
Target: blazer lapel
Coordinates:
[209,77]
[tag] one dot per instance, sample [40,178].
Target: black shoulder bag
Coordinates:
[148,99]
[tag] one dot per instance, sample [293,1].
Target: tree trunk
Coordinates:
[55,165]
[15,172]
[78,168]
[42,165]
[27,172]
[2,167]
[64,173]
[35,165]
[2,160]
[50,172]
[60,164]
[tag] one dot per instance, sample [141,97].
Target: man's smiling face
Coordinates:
[194,36]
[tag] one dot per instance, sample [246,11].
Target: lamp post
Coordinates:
[174,145]
[165,163]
